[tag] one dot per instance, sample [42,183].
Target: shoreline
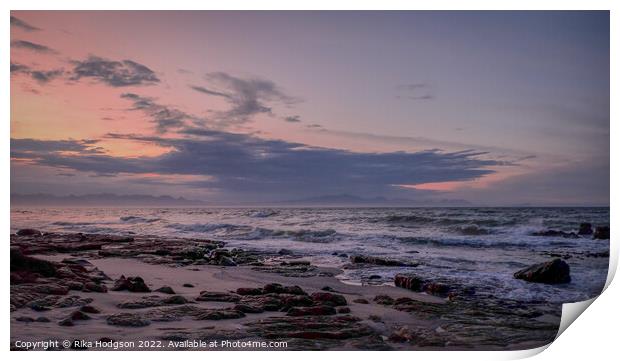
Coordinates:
[239,300]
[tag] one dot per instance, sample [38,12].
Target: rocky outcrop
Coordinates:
[585,229]
[127,320]
[358,259]
[311,311]
[554,233]
[601,233]
[439,288]
[28,232]
[331,299]
[218,297]
[131,284]
[552,272]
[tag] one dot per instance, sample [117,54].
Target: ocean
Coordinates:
[477,247]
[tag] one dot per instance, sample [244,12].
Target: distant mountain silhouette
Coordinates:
[102,199]
[352,200]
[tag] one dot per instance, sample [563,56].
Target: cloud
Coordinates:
[240,165]
[23,44]
[114,73]
[414,91]
[577,182]
[41,76]
[22,24]
[209,92]
[36,146]
[165,118]
[293,119]
[247,96]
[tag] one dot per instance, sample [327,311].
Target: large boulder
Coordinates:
[28,232]
[585,229]
[27,264]
[552,272]
[131,284]
[601,233]
[409,281]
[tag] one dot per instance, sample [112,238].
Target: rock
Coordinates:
[311,311]
[218,297]
[24,319]
[220,314]
[21,263]
[131,284]
[330,299]
[42,319]
[437,289]
[72,301]
[127,320]
[380,261]
[28,232]
[264,302]
[295,301]
[66,322]
[317,329]
[226,261]
[409,281]
[176,300]
[278,288]
[374,277]
[556,271]
[89,309]
[554,233]
[245,308]
[285,252]
[95,287]
[75,286]
[144,302]
[249,291]
[384,300]
[328,289]
[193,253]
[361,301]
[165,289]
[79,316]
[585,229]
[188,285]
[343,310]
[401,335]
[601,233]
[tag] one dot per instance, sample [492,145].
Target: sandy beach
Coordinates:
[89,288]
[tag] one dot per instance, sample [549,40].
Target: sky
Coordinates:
[493,108]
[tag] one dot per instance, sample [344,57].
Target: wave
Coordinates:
[472,231]
[243,232]
[137,219]
[205,228]
[480,243]
[407,220]
[262,213]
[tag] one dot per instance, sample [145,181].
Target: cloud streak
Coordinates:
[114,73]
[247,97]
[23,44]
[237,164]
[20,24]
[41,76]
[165,118]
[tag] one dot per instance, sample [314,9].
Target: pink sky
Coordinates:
[484,114]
